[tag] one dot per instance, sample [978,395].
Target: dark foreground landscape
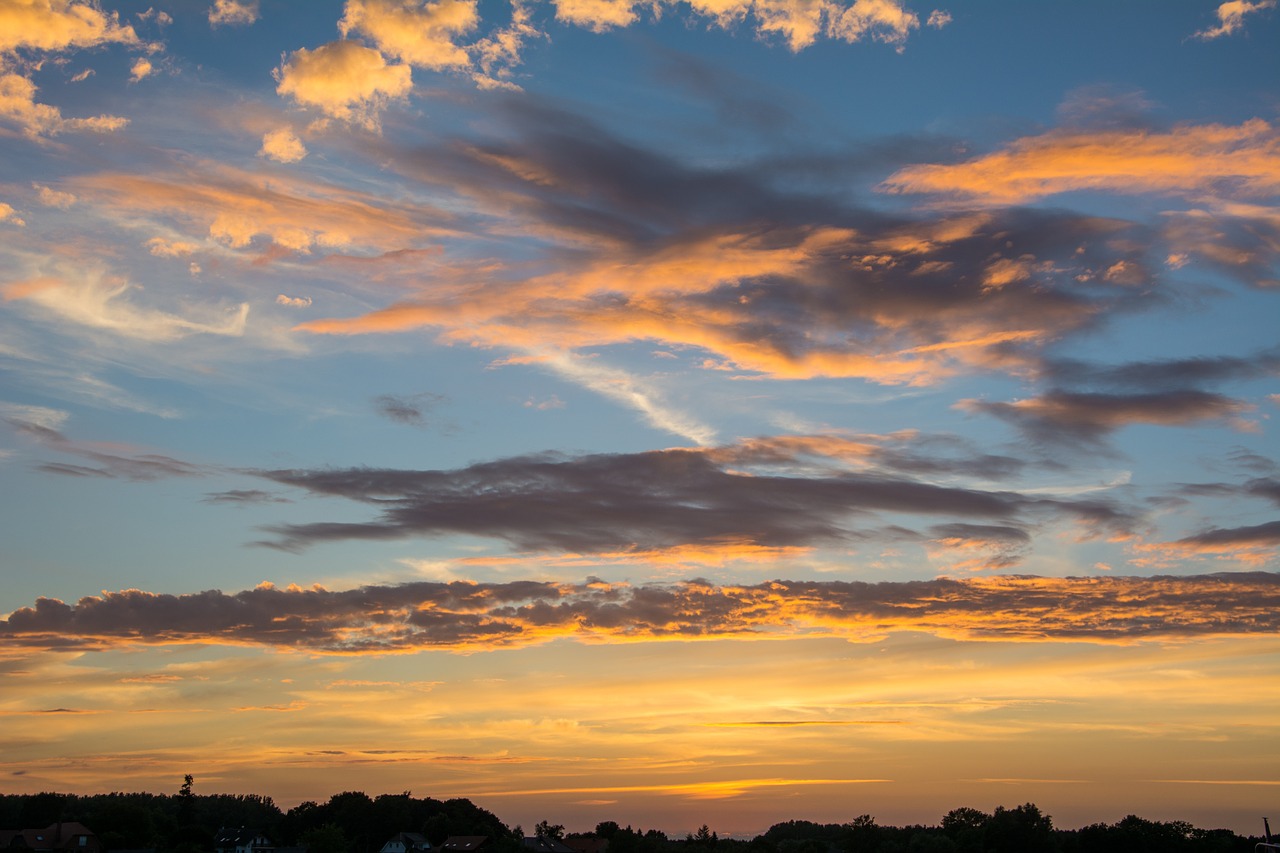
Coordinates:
[353,822]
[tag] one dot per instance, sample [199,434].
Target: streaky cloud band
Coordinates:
[465,616]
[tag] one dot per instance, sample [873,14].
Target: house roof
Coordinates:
[410,839]
[539,844]
[464,842]
[56,836]
[235,836]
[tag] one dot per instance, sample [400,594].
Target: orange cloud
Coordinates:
[1194,160]
[718,292]
[236,207]
[8,214]
[1231,17]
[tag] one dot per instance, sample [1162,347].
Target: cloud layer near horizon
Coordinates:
[470,616]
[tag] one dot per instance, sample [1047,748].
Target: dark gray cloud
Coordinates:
[1168,374]
[139,466]
[410,409]
[1243,243]
[735,103]
[1087,401]
[1266,488]
[981,533]
[468,616]
[607,503]
[1226,538]
[243,497]
[1086,419]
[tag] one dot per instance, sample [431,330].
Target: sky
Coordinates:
[713,412]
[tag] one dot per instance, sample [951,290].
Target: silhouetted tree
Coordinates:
[863,835]
[544,829]
[965,827]
[186,801]
[325,839]
[123,821]
[40,810]
[1019,830]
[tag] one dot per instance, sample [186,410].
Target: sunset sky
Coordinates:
[713,411]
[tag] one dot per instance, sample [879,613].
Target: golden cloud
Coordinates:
[421,35]
[282,145]
[344,80]
[18,105]
[58,25]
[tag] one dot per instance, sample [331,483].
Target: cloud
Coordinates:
[53,198]
[409,410]
[1255,544]
[938,19]
[762,495]
[162,19]
[238,207]
[162,248]
[631,391]
[633,245]
[55,25]
[1231,17]
[112,461]
[882,20]
[1217,539]
[141,68]
[344,80]
[1192,160]
[421,34]
[282,145]
[1075,410]
[8,214]
[18,106]
[94,299]
[469,616]
[294,301]
[233,13]
[37,416]
[1241,239]
[977,547]
[498,53]
[1058,417]
[243,497]
[1167,373]
[597,15]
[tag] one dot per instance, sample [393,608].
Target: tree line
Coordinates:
[353,822]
